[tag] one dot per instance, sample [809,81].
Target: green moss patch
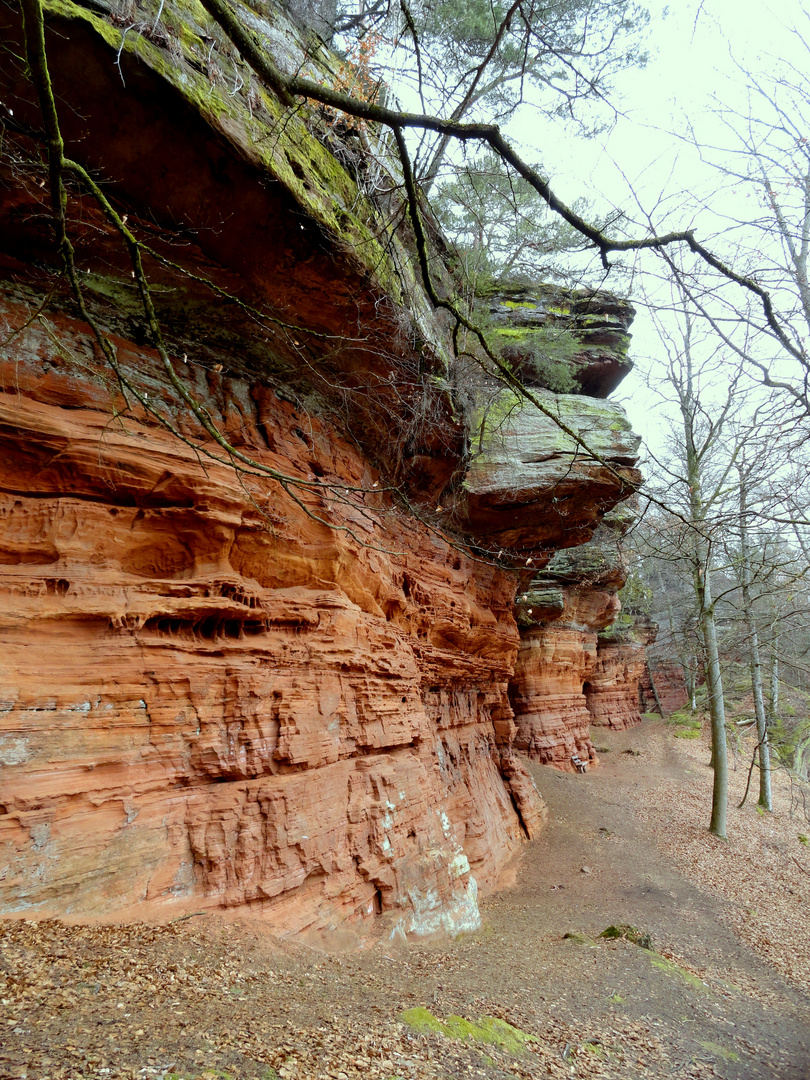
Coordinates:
[683,719]
[489,1030]
[591,1046]
[641,938]
[628,933]
[688,725]
[520,333]
[719,1051]
[578,939]
[676,971]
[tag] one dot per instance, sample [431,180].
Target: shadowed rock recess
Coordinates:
[287,692]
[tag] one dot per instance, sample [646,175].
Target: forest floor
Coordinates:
[724,991]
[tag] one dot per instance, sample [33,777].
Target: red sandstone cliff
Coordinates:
[670,692]
[208,693]
[578,665]
[281,684]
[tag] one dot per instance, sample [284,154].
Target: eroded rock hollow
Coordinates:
[257,601]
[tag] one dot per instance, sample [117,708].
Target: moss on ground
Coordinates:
[688,725]
[625,932]
[579,939]
[628,933]
[489,1030]
[671,968]
[595,1048]
[683,719]
[719,1051]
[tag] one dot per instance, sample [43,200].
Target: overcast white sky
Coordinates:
[699,55]
[698,50]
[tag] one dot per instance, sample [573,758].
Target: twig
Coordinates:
[191,915]
[288,87]
[19,329]
[748,782]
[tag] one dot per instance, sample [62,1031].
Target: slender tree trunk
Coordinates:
[717,709]
[692,684]
[701,576]
[714,683]
[773,704]
[765,798]
[799,758]
[654,688]
[690,670]
[688,663]
[753,648]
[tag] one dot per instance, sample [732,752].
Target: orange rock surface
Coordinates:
[209,693]
[576,665]
[257,615]
[551,710]
[612,690]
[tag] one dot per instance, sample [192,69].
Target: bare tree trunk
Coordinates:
[800,751]
[714,678]
[717,709]
[773,704]
[701,579]
[753,647]
[654,688]
[692,684]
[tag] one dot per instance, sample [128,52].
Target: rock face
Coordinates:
[565,340]
[612,688]
[209,693]
[670,686]
[523,485]
[579,663]
[257,595]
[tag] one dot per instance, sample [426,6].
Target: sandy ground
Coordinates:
[724,993]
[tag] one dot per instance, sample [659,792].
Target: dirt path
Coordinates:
[205,998]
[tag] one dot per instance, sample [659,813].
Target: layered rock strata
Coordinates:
[580,663]
[612,690]
[670,693]
[523,486]
[256,597]
[208,691]
[564,339]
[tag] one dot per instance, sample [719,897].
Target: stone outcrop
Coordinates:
[565,339]
[209,692]
[580,661]
[670,686]
[612,688]
[257,601]
[524,481]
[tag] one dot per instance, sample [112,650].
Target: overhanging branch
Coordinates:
[289,87]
